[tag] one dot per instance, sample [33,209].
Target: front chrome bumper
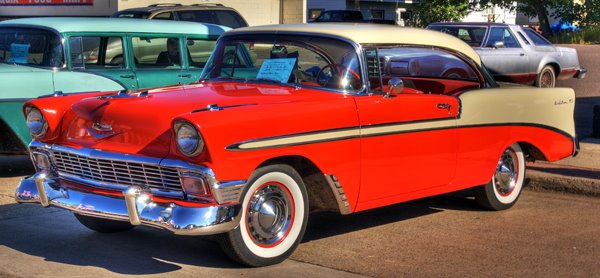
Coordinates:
[135,205]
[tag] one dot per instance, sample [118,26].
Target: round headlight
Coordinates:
[189,141]
[36,123]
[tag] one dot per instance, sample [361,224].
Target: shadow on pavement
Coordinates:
[326,224]
[55,235]
[15,165]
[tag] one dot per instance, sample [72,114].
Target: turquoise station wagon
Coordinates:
[46,56]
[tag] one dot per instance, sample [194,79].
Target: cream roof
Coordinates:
[372,33]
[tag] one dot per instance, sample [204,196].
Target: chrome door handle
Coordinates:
[128,76]
[185,75]
[444,106]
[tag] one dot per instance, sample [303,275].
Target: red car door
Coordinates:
[408,143]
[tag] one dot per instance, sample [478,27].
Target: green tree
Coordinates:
[429,11]
[543,9]
[584,14]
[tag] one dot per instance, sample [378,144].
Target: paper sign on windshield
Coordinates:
[19,53]
[277,69]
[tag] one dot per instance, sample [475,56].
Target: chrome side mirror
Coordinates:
[499,44]
[394,84]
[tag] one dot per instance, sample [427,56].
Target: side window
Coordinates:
[164,16]
[156,52]
[537,38]
[199,51]
[503,35]
[229,19]
[420,68]
[97,52]
[523,38]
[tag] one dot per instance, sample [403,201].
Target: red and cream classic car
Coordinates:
[289,119]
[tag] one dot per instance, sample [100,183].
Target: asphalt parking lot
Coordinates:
[545,234]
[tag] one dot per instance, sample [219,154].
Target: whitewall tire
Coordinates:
[506,184]
[274,217]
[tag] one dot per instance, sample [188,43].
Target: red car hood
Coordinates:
[141,123]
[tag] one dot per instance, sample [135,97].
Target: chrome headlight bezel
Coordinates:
[36,122]
[188,139]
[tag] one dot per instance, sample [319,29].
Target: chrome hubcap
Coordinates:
[270,214]
[507,173]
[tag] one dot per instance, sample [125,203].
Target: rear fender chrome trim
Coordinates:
[339,194]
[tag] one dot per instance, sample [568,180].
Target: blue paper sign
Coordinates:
[19,53]
[277,69]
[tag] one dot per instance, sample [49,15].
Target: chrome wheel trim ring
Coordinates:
[507,173]
[270,214]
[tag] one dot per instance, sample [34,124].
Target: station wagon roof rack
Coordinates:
[165,5]
[207,4]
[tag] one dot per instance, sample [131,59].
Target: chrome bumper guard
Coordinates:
[136,206]
[581,73]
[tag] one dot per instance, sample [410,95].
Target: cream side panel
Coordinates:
[548,107]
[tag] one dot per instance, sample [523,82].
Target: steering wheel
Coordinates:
[335,70]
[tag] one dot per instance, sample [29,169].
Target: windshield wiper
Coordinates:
[270,80]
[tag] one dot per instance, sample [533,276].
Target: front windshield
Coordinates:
[304,61]
[28,46]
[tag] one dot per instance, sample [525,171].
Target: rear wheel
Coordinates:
[546,78]
[505,187]
[102,225]
[274,217]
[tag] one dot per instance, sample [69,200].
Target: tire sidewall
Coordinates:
[248,251]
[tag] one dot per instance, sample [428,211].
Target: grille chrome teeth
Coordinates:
[115,172]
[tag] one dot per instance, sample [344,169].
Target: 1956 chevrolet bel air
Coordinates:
[289,119]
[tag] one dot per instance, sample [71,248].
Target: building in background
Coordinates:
[397,10]
[256,12]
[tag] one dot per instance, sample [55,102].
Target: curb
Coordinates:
[542,179]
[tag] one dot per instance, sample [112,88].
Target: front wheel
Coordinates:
[274,217]
[505,187]
[102,225]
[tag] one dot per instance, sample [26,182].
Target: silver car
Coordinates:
[515,54]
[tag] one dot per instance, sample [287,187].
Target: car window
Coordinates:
[318,62]
[31,47]
[131,14]
[523,38]
[536,38]
[156,52]
[472,35]
[230,19]
[204,16]
[413,65]
[93,52]
[164,16]
[504,35]
[199,51]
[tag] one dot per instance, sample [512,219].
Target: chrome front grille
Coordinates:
[116,172]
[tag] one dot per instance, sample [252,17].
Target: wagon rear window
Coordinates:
[31,47]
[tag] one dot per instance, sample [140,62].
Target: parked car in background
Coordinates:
[203,13]
[313,122]
[348,16]
[515,54]
[42,56]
